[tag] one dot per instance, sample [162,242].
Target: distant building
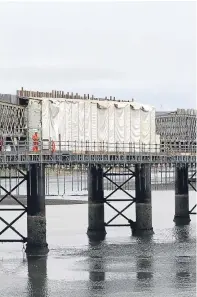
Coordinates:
[8,98]
[177,129]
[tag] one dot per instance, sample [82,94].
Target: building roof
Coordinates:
[162,113]
[183,112]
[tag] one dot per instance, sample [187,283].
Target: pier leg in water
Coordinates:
[37,276]
[182,216]
[96,227]
[143,225]
[36,219]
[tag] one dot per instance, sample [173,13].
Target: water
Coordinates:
[122,265]
[61,181]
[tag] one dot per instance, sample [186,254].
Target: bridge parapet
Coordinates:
[85,153]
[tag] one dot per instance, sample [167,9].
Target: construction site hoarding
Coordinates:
[91,121]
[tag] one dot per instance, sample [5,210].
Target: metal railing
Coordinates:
[75,147]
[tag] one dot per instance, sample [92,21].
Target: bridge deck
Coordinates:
[65,157]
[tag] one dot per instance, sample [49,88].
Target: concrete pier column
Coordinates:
[96,227]
[143,223]
[182,216]
[36,220]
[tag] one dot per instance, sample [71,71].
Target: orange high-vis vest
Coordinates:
[35,139]
[53,146]
[1,145]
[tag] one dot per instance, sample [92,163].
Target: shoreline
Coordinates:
[63,201]
[49,201]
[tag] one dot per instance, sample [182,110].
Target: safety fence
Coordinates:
[77,147]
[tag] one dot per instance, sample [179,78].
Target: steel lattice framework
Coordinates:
[13,120]
[22,177]
[176,127]
[127,174]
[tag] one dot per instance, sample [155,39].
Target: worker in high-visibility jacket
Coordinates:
[53,146]
[35,139]
[1,144]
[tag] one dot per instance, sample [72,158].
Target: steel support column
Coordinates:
[96,226]
[182,216]
[143,223]
[36,219]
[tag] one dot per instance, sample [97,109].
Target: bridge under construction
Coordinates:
[129,154]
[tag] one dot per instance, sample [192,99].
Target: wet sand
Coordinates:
[122,265]
[48,201]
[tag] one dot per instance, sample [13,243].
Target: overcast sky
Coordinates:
[141,50]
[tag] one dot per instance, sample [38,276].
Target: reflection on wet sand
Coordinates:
[96,267]
[184,268]
[37,276]
[184,265]
[144,263]
[101,260]
[144,268]
[161,265]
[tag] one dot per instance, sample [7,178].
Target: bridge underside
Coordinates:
[124,178]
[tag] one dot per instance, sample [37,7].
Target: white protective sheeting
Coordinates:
[34,119]
[94,125]
[145,122]
[103,122]
[119,125]
[111,129]
[81,123]
[74,122]
[98,125]
[154,138]
[135,125]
